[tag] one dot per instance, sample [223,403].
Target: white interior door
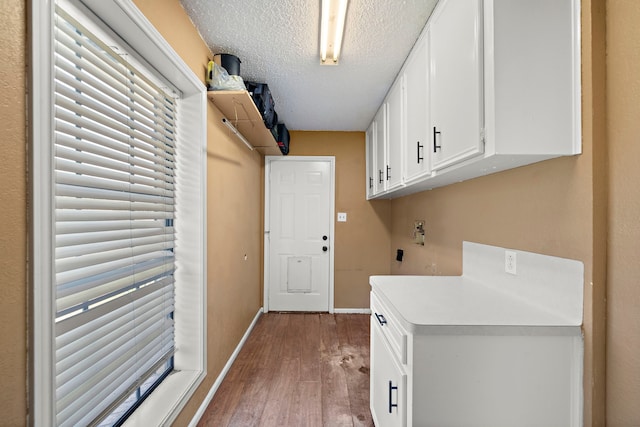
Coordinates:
[299,234]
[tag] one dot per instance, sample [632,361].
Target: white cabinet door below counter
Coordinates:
[388,383]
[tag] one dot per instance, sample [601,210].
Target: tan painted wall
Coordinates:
[361,243]
[13,211]
[594,116]
[234,214]
[550,208]
[623,323]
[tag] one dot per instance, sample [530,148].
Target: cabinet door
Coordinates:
[455,81]
[388,383]
[393,173]
[370,154]
[379,178]
[416,79]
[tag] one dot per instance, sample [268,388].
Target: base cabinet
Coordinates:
[472,376]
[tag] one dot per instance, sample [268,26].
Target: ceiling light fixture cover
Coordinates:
[332,20]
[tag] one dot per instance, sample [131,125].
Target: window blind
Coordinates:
[114,177]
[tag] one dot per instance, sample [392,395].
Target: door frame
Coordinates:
[267,194]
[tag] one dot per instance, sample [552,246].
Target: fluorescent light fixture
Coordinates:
[333,14]
[238,134]
[324,30]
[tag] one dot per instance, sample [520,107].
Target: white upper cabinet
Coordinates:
[370,153]
[417,159]
[380,162]
[393,173]
[456,81]
[532,77]
[490,85]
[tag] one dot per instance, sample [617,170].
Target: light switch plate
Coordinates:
[342,217]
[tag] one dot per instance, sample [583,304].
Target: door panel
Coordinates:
[370,153]
[379,180]
[417,150]
[388,383]
[456,82]
[300,219]
[395,131]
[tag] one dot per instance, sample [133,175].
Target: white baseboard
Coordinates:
[352,310]
[223,373]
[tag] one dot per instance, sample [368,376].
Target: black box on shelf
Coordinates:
[283,138]
[261,96]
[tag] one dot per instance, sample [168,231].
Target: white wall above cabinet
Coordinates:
[501,90]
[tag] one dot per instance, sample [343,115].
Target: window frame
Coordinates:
[125,19]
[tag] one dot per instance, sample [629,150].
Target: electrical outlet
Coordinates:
[510,262]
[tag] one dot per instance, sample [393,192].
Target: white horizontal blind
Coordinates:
[114,171]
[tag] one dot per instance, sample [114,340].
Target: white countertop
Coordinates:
[546,292]
[458,301]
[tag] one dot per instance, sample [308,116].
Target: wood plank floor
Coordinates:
[308,369]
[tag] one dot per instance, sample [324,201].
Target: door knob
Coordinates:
[325,249]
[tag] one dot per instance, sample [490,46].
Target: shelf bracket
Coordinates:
[232,128]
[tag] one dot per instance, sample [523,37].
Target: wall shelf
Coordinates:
[240,110]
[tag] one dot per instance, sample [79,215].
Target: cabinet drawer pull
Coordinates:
[381,319]
[388,174]
[370,182]
[391,404]
[418,151]
[379,176]
[435,143]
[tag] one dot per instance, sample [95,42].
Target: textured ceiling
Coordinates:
[277,42]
